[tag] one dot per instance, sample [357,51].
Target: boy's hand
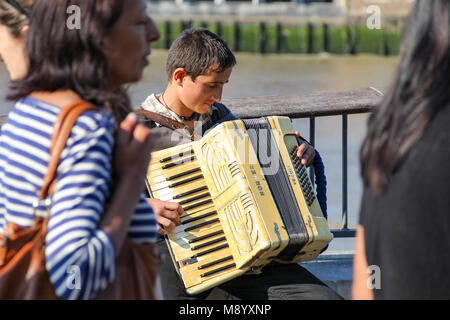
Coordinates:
[305,152]
[167,214]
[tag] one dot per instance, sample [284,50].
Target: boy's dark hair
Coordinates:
[199,52]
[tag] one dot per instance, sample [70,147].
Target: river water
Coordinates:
[271,75]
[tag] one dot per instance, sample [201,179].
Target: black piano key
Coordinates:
[181,154]
[186,262]
[207,265]
[208,243]
[206,236]
[210,250]
[179,183]
[169,165]
[200,225]
[182,174]
[217,270]
[198,204]
[184,194]
[182,161]
[200,196]
[199,217]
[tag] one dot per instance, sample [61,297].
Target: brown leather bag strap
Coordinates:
[61,132]
[162,120]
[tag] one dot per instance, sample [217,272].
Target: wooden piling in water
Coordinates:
[237,36]
[310,47]
[277,37]
[219,28]
[326,40]
[168,37]
[262,37]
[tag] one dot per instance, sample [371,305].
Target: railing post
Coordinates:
[344,172]
[312,141]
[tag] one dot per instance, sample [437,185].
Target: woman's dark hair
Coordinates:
[418,93]
[71,58]
[14,17]
[198,51]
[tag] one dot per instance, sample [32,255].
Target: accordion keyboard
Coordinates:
[198,245]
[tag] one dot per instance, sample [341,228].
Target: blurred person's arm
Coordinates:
[131,159]
[360,289]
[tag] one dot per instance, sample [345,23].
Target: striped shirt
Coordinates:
[80,257]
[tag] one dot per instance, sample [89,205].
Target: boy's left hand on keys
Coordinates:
[305,151]
[167,214]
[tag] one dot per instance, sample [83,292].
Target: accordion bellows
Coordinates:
[247,201]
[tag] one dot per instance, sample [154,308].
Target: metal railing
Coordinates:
[327,103]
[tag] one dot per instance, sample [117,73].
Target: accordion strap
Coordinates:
[162,120]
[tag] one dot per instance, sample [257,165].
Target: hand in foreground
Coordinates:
[305,152]
[132,148]
[167,214]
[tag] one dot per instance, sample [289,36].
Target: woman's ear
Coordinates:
[23,33]
[178,76]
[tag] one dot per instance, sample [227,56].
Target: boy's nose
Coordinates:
[217,96]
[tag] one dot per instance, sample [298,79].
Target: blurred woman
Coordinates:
[13,28]
[402,243]
[92,212]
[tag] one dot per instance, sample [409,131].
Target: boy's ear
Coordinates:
[178,75]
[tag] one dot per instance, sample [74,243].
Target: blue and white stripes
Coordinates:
[81,192]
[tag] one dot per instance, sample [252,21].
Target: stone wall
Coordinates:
[390,8]
[288,13]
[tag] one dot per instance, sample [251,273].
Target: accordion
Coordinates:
[247,200]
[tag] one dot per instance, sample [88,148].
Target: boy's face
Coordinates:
[200,94]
